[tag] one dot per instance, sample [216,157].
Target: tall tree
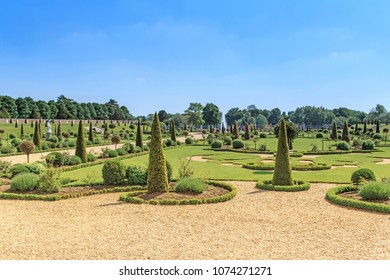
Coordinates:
[138,139]
[211,114]
[173,131]
[345,135]
[37,136]
[162,115]
[91,136]
[333,135]
[194,113]
[81,150]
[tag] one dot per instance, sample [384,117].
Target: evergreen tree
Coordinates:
[282,173]
[345,135]
[333,135]
[21,131]
[236,134]
[138,138]
[185,127]
[37,136]
[81,150]
[173,132]
[157,170]
[247,134]
[59,133]
[365,127]
[356,127]
[90,134]
[377,127]
[16,124]
[223,128]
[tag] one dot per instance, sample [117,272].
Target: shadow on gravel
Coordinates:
[111,204]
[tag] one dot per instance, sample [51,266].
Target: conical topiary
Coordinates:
[333,135]
[81,150]
[377,127]
[59,133]
[235,131]
[345,135]
[247,134]
[157,170]
[282,173]
[90,133]
[173,132]
[37,137]
[138,138]
[21,131]
[365,127]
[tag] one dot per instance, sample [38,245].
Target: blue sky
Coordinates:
[152,55]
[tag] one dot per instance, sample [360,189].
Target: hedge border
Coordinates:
[55,197]
[267,185]
[306,167]
[332,196]
[132,197]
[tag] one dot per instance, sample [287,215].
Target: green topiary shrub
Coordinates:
[25,182]
[113,172]
[45,146]
[49,181]
[319,135]
[91,157]
[190,185]
[72,160]
[81,150]
[216,144]
[228,140]
[368,145]
[17,169]
[16,142]
[137,150]
[263,135]
[36,167]
[128,147]
[375,191]
[146,148]
[189,141]
[362,175]
[121,151]
[377,136]
[55,159]
[72,144]
[238,144]
[7,150]
[136,175]
[138,139]
[112,153]
[342,145]
[53,139]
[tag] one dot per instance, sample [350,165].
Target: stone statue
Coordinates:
[48,129]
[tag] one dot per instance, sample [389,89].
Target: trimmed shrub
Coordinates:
[377,136]
[361,175]
[296,187]
[7,150]
[12,136]
[80,144]
[263,135]
[17,169]
[138,139]
[375,191]
[146,148]
[189,141]
[91,157]
[136,175]
[128,147]
[228,140]
[53,139]
[72,144]
[121,151]
[368,145]
[113,172]
[112,153]
[319,135]
[25,182]
[36,167]
[72,160]
[216,144]
[55,159]
[16,142]
[49,181]
[238,144]
[342,145]
[137,150]
[190,185]
[45,146]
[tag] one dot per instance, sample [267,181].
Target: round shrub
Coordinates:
[72,160]
[58,145]
[88,143]
[7,150]
[98,140]
[12,136]
[25,182]
[319,135]
[216,144]
[128,147]
[136,175]
[377,136]
[113,172]
[368,145]
[375,191]
[362,174]
[121,151]
[238,144]
[146,148]
[52,145]
[189,141]
[49,181]
[132,126]
[190,185]
[64,144]
[228,140]
[44,146]
[90,157]
[17,169]
[36,167]
[16,142]
[263,135]
[342,145]
[53,139]
[112,153]
[72,144]
[55,159]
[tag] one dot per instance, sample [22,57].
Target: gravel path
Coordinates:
[254,225]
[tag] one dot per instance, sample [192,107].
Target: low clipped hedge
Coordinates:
[332,195]
[297,187]
[298,167]
[132,197]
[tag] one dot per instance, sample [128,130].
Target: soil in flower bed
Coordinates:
[210,191]
[355,195]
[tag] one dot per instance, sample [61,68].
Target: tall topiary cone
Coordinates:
[247,134]
[138,138]
[81,150]
[235,131]
[157,171]
[91,137]
[345,135]
[173,132]
[282,173]
[334,131]
[37,137]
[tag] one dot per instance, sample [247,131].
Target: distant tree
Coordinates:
[91,136]
[247,133]
[115,140]
[365,127]
[37,136]
[385,131]
[345,136]
[194,114]
[162,115]
[378,127]
[292,132]
[236,134]
[334,131]
[59,132]
[21,131]
[27,147]
[211,114]
[173,131]
[138,139]
[275,116]
[81,150]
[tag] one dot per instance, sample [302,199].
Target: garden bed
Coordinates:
[297,167]
[298,186]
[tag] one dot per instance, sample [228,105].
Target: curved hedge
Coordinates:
[332,195]
[298,167]
[299,186]
[132,197]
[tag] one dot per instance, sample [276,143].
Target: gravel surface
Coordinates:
[254,225]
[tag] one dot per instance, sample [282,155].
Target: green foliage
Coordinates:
[37,136]
[334,131]
[49,181]
[72,160]
[345,136]
[128,147]
[121,151]
[185,170]
[136,175]
[368,145]
[138,139]
[238,144]
[319,135]
[55,159]
[91,157]
[173,132]
[17,169]
[7,150]
[190,185]
[216,144]
[91,136]
[228,140]
[377,136]
[263,135]
[342,145]
[113,172]
[25,182]
[282,174]
[296,187]
[362,175]
[157,170]
[189,141]
[4,167]
[375,191]
[112,153]
[16,142]
[81,150]
[36,167]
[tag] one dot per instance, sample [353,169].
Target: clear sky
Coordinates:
[151,55]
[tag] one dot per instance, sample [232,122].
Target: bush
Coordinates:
[53,139]
[98,141]
[88,143]
[319,135]
[263,135]
[128,147]
[137,150]
[189,141]
[72,144]
[16,142]
[377,136]
[170,143]
[36,167]
[113,172]
[12,136]
[228,140]
[7,150]
[121,151]
[104,153]
[136,175]
[361,175]
[216,144]
[49,181]
[91,157]
[72,160]
[169,170]
[185,170]
[375,191]
[25,182]
[4,167]
[55,159]
[238,144]
[342,145]
[112,153]
[190,185]
[18,168]
[44,146]
[368,145]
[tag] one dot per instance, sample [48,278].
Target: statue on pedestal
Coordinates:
[48,129]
